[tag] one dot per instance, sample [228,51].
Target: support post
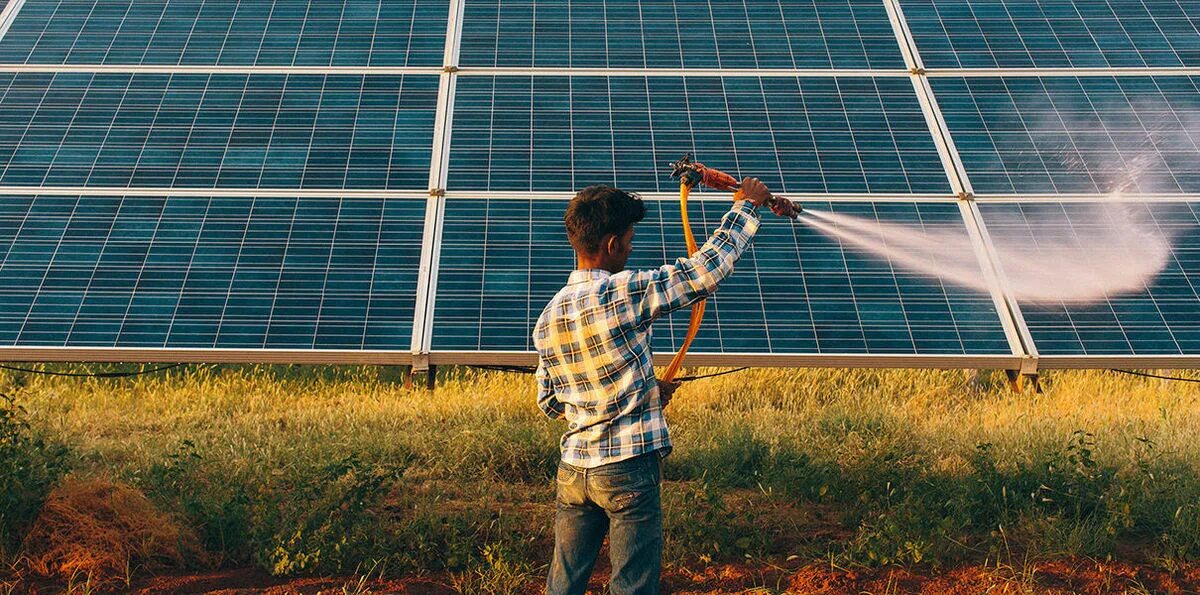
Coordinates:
[426,378]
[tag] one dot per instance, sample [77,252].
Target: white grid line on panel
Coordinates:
[207,192]
[1061,71]
[592,71]
[214,69]
[1094,362]
[200,355]
[1069,198]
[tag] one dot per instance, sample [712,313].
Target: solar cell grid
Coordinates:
[1054,33]
[797,292]
[1075,135]
[1160,319]
[678,34]
[216,131]
[225,32]
[797,134]
[225,273]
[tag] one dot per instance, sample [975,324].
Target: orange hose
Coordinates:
[698,307]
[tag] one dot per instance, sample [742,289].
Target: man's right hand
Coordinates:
[754,191]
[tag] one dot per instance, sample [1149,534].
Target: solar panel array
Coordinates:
[384,180]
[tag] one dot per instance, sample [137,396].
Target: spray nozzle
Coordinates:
[693,173]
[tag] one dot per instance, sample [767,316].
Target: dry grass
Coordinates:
[105,532]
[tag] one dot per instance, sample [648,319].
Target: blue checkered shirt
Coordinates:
[593,342]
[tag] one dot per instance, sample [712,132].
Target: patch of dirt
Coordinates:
[254,581]
[1052,577]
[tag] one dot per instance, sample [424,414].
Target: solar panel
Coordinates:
[1055,33]
[679,34]
[797,292]
[1156,316]
[193,32]
[797,134]
[215,131]
[224,273]
[1075,135]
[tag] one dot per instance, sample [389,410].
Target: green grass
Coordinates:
[331,470]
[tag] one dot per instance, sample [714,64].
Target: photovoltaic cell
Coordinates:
[798,292]
[796,134]
[679,34]
[226,273]
[1075,135]
[213,131]
[1161,318]
[199,32]
[1055,33]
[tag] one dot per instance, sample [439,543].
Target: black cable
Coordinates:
[531,370]
[713,375]
[92,374]
[1148,375]
[509,369]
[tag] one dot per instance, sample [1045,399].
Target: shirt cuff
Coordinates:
[745,207]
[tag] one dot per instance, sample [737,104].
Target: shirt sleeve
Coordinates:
[547,402]
[655,292]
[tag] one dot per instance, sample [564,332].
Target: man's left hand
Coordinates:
[666,390]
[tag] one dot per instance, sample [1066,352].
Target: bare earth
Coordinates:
[1052,577]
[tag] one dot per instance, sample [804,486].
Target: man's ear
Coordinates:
[612,244]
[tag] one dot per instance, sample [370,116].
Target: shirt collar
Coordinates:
[585,275]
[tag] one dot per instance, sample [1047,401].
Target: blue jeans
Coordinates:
[621,499]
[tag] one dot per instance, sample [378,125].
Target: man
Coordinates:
[595,370]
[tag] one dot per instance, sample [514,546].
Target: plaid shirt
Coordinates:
[593,341]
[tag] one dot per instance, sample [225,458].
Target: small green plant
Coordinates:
[30,465]
[500,571]
[217,505]
[698,524]
[329,522]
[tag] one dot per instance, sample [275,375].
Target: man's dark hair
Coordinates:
[600,210]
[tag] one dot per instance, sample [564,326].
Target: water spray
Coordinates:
[1113,252]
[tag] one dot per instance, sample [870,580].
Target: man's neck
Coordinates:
[583,264]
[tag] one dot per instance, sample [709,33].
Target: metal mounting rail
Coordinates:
[431,238]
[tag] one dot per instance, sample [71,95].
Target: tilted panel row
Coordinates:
[1055,33]
[804,288]
[216,131]
[1066,135]
[846,34]
[196,32]
[1103,278]
[218,273]
[821,134]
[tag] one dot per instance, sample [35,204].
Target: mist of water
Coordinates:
[1105,251]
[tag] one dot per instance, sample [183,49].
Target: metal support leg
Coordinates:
[1033,381]
[1014,380]
[426,378]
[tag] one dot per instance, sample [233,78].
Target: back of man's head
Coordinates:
[597,211]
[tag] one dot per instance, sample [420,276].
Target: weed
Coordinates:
[499,572]
[30,464]
[328,523]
